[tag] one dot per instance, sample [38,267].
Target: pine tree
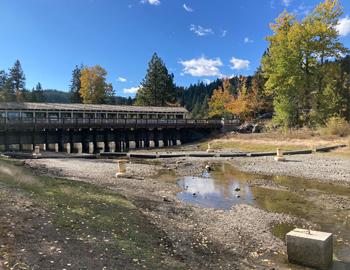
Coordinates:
[157,88]
[17,81]
[6,92]
[75,86]
[38,93]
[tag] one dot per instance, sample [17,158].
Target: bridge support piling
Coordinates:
[60,141]
[94,141]
[106,140]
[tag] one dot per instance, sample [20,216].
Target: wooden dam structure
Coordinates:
[89,128]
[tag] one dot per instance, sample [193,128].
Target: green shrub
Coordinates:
[336,126]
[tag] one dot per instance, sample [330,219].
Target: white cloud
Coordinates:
[287,2]
[343,26]
[247,40]
[202,67]
[207,81]
[131,90]
[121,79]
[201,31]
[151,2]
[187,8]
[223,33]
[302,10]
[239,63]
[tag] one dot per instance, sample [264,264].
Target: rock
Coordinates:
[245,128]
[265,116]
[208,168]
[165,199]
[237,189]
[257,128]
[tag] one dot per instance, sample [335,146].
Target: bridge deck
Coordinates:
[38,124]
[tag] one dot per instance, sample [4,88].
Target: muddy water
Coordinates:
[325,204]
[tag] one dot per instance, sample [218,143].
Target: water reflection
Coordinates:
[213,192]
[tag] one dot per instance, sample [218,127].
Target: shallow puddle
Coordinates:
[325,204]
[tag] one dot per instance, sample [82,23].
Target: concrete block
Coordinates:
[91,148]
[78,148]
[310,248]
[101,146]
[178,142]
[161,144]
[27,147]
[67,148]
[152,144]
[132,144]
[112,147]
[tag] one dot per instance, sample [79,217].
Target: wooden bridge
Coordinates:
[98,128]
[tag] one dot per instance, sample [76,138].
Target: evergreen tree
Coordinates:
[74,88]
[6,92]
[157,88]
[17,81]
[38,93]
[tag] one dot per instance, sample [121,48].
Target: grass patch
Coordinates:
[86,211]
[245,146]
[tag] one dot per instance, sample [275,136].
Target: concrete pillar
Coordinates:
[50,147]
[67,148]
[37,150]
[13,147]
[56,148]
[112,147]
[42,146]
[178,142]
[91,148]
[121,168]
[27,147]
[132,144]
[100,147]
[78,147]
[160,143]
[152,144]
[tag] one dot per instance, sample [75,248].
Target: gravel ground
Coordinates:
[317,166]
[239,238]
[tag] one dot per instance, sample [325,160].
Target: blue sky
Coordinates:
[199,40]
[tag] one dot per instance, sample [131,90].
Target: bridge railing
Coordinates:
[22,122]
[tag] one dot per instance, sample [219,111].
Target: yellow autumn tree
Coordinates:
[94,88]
[219,100]
[245,104]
